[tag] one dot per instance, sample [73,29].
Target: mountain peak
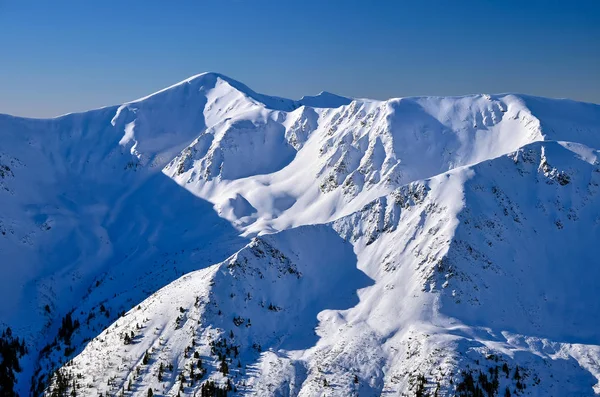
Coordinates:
[208,80]
[386,233]
[325,100]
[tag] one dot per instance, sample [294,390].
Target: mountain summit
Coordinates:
[210,240]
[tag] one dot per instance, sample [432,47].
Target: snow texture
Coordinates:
[326,246]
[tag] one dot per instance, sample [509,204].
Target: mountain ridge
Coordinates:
[250,92]
[427,197]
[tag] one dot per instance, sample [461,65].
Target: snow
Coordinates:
[325,99]
[343,246]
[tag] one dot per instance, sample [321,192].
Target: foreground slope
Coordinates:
[448,204]
[266,296]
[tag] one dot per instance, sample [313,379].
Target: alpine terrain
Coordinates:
[208,240]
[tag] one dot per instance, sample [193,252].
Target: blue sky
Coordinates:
[60,56]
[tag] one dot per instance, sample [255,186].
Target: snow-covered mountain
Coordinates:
[208,239]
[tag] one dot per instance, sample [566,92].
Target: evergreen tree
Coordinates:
[421,382]
[517,375]
[11,349]
[224,367]
[505,369]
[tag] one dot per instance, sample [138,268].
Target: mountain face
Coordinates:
[209,240]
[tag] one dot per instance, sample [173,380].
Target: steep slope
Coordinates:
[266,296]
[84,221]
[351,155]
[439,252]
[480,267]
[88,220]
[448,203]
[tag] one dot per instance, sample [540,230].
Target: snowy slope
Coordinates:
[265,296]
[480,259]
[412,237]
[426,306]
[356,153]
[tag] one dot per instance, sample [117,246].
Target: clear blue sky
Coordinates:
[58,56]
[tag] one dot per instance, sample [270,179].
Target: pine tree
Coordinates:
[224,367]
[505,369]
[421,382]
[517,374]
[11,349]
